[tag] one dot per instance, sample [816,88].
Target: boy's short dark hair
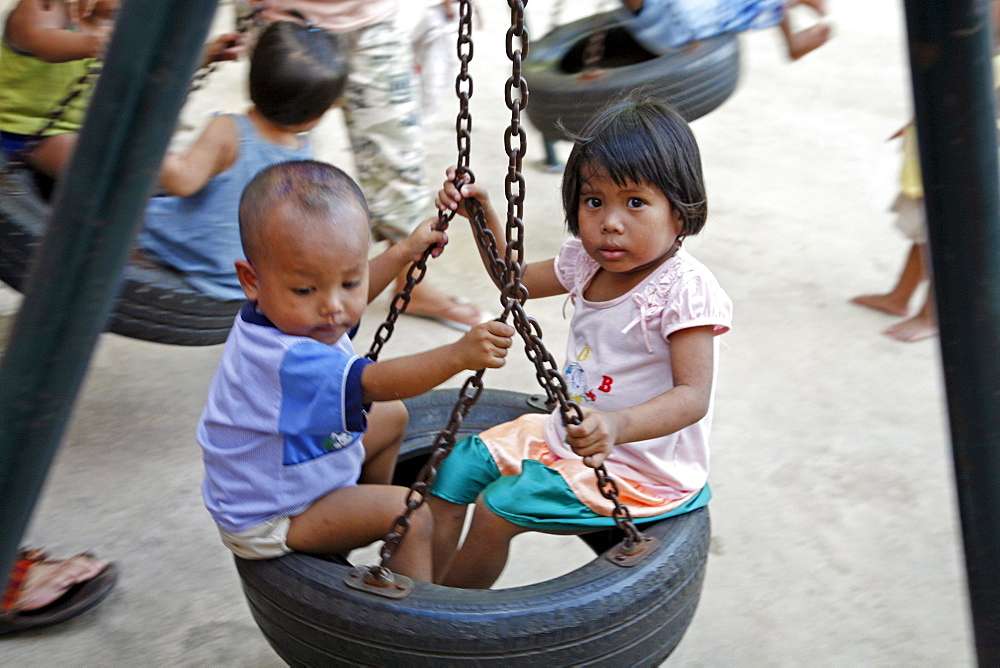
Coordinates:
[315,188]
[296,72]
[639,141]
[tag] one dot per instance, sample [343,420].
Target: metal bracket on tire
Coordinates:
[629,558]
[379,581]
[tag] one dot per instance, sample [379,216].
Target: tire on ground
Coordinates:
[695,78]
[154,304]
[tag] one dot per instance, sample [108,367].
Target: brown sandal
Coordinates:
[34,598]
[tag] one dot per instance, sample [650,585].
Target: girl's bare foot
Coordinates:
[917,328]
[804,41]
[885,303]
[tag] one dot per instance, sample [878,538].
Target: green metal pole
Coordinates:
[951,64]
[156,46]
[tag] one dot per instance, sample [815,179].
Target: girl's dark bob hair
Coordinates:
[297,72]
[639,141]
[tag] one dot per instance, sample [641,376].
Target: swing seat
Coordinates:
[695,79]
[599,614]
[155,303]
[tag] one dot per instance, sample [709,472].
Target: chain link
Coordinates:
[443,443]
[506,271]
[513,293]
[463,175]
[473,386]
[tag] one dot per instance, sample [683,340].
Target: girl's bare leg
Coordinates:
[924,324]
[387,421]
[449,520]
[483,554]
[352,517]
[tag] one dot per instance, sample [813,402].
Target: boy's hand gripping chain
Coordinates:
[507,272]
[463,175]
[379,579]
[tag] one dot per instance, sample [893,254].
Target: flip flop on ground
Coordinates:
[42,591]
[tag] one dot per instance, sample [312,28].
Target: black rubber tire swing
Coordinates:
[695,78]
[155,304]
[599,614]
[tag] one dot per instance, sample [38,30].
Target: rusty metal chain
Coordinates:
[463,175]
[513,296]
[513,291]
[473,386]
[443,444]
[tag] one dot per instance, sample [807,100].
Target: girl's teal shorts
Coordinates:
[538,498]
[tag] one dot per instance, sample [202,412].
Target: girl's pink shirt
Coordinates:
[618,355]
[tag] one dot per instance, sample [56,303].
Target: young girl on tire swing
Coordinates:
[641,356]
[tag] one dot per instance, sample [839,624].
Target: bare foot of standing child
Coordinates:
[804,41]
[810,39]
[916,328]
[886,303]
[921,326]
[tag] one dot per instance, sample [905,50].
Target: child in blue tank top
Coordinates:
[296,75]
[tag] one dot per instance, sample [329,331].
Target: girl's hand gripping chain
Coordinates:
[594,438]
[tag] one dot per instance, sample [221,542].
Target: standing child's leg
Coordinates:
[924,324]
[387,422]
[802,42]
[897,301]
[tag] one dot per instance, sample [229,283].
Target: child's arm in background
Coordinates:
[692,357]
[227,46]
[214,152]
[384,268]
[32,28]
[538,277]
[484,346]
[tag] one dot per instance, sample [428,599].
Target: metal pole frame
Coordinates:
[155,48]
[951,43]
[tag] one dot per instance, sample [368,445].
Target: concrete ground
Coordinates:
[835,538]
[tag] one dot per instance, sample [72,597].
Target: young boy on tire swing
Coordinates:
[300,435]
